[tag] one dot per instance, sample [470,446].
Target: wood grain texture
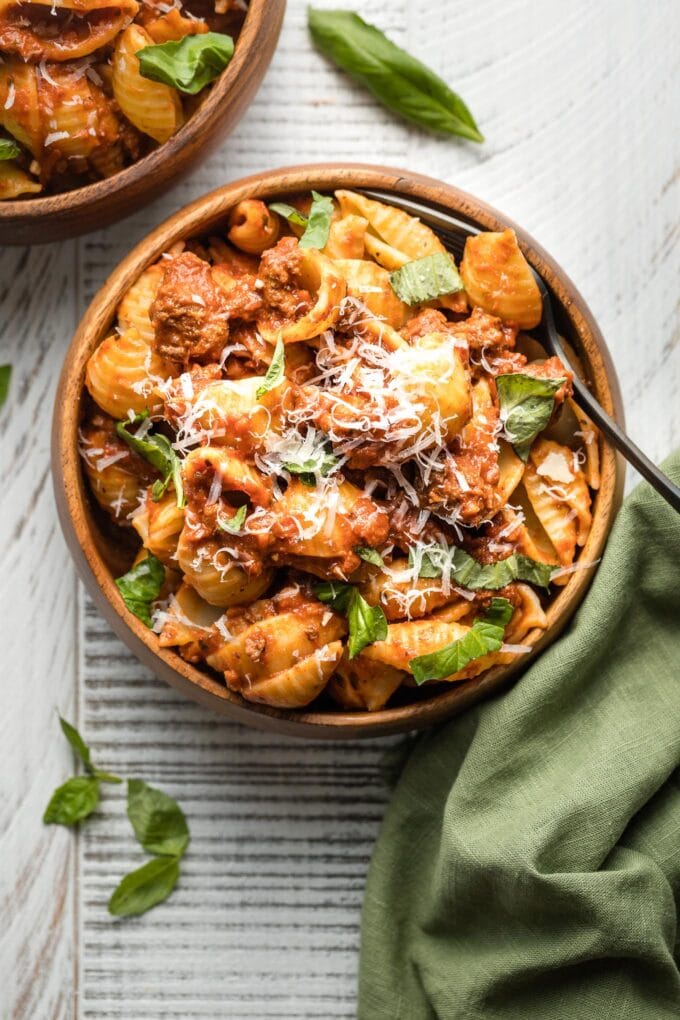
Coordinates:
[577,102]
[96,555]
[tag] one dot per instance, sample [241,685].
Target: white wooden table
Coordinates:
[580,106]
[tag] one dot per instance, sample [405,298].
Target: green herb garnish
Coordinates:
[399,81]
[318,223]
[5,377]
[370,555]
[484,636]
[9,149]
[526,407]
[157,449]
[468,573]
[78,796]
[187,64]
[426,279]
[290,213]
[233,524]
[275,372]
[141,586]
[366,623]
[161,828]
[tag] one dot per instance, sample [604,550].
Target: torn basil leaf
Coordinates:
[399,81]
[318,222]
[74,800]
[9,149]
[485,636]
[275,373]
[141,586]
[321,462]
[187,64]
[233,524]
[526,407]
[157,449]
[465,571]
[145,887]
[425,279]
[158,820]
[366,623]
[369,555]
[290,213]
[5,377]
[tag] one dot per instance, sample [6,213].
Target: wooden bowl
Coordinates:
[69,213]
[95,554]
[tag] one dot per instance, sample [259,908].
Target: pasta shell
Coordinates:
[298,685]
[434,375]
[209,569]
[123,374]
[133,311]
[370,284]
[154,109]
[499,280]
[346,237]
[319,276]
[362,684]
[252,227]
[401,232]
[159,525]
[15,182]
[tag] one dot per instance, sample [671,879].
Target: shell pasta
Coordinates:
[75,96]
[357,473]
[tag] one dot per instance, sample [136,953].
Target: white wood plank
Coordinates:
[577,101]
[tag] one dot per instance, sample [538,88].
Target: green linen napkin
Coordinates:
[529,864]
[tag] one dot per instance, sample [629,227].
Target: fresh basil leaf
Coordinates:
[157,449]
[425,279]
[141,586]
[233,524]
[468,573]
[526,407]
[158,820]
[366,623]
[289,212]
[77,743]
[275,372]
[369,555]
[9,149]
[5,377]
[485,636]
[336,594]
[318,223]
[145,887]
[187,64]
[321,462]
[399,81]
[74,800]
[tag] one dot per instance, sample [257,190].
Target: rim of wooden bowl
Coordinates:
[69,213]
[84,540]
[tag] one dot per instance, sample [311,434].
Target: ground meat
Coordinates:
[427,321]
[190,312]
[280,271]
[481,330]
[552,368]
[239,288]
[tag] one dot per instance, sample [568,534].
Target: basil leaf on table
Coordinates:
[425,279]
[9,149]
[369,555]
[157,449]
[274,374]
[318,222]
[484,636]
[468,573]
[366,623]
[74,800]
[290,213]
[399,81]
[158,820]
[5,377]
[145,887]
[187,64]
[141,586]
[526,407]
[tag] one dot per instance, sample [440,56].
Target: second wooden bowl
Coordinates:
[95,556]
[69,213]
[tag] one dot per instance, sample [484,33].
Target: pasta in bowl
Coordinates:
[342,484]
[102,104]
